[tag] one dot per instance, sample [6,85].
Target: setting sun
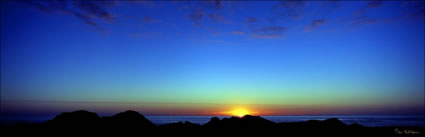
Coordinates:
[240,112]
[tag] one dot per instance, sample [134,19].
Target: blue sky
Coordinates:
[277,54]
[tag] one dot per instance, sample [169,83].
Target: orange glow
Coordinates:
[240,112]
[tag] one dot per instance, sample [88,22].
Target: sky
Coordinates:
[213,57]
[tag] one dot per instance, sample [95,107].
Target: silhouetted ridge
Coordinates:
[214,122]
[180,125]
[334,122]
[130,118]
[80,118]
[127,123]
[247,121]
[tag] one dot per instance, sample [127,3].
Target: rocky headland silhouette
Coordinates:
[132,123]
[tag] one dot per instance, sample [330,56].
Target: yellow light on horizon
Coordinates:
[240,112]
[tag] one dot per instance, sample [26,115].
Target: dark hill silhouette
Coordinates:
[79,118]
[247,121]
[130,119]
[82,123]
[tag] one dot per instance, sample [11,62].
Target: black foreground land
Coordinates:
[131,123]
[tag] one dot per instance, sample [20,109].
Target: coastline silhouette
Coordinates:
[130,122]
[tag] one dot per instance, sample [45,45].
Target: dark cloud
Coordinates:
[291,8]
[330,3]
[417,10]
[148,19]
[252,20]
[418,14]
[144,3]
[358,12]
[211,4]
[219,19]
[49,6]
[314,24]
[42,7]
[94,12]
[218,3]
[206,9]
[360,17]
[364,20]
[374,4]
[92,8]
[251,23]
[216,17]
[86,11]
[269,32]
[197,16]
[291,4]
[326,8]
[146,34]
[85,19]
[237,32]
[108,3]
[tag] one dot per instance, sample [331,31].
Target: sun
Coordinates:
[240,112]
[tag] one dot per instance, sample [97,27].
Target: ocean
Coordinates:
[373,121]
[366,120]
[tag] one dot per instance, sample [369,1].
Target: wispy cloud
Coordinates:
[314,24]
[374,4]
[212,4]
[86,11]
[144,3]
[237,32]
[148,19]
[93,9]
[219,18]
[146,34]
[252,20]
[291,8]
[417,10]
[364,20]
[284,13]
[40,6]
[215,17]
[360,16]
[218,3]
[197,17]
[269,32]
[85,19]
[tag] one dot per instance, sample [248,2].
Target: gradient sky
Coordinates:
[211,57]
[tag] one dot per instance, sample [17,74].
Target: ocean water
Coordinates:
[366,120]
